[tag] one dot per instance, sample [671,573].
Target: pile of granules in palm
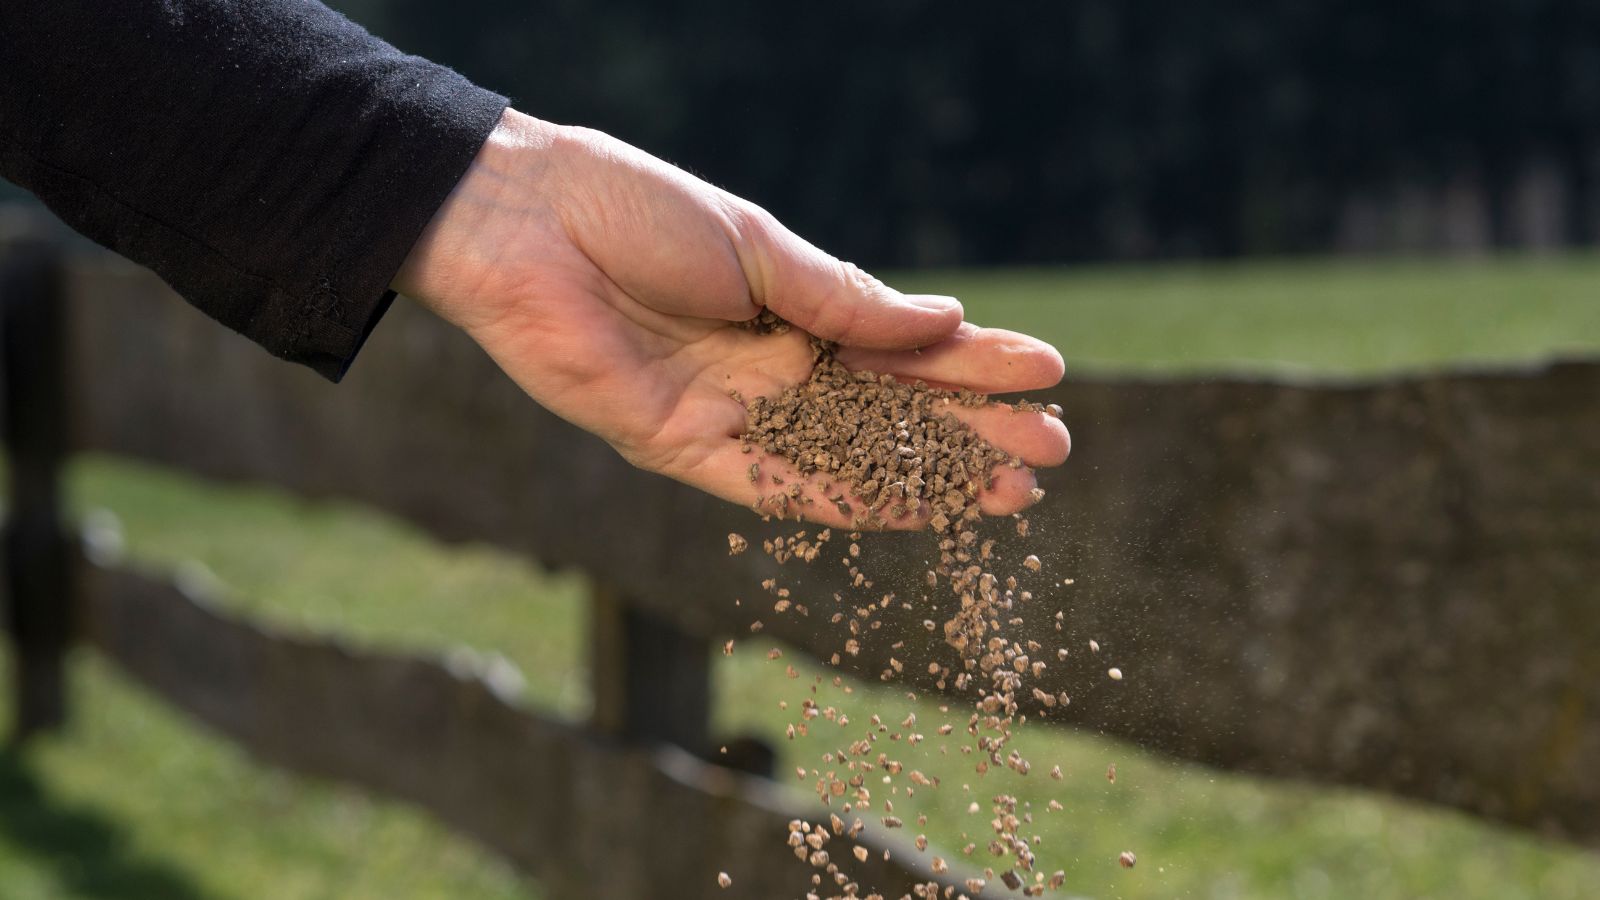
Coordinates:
[879,449]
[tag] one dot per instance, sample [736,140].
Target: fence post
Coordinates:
[37,553]
[652,681]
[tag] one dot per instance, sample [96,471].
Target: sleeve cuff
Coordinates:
[410,170]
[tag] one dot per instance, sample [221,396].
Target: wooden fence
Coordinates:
[1391,584]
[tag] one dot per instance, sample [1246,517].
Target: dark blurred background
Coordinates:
[922,132]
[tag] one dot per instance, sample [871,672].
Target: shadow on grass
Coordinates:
[89,854]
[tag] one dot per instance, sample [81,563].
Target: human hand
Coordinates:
[607,284]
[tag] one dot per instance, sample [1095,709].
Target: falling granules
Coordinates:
[879,450]
[882,450]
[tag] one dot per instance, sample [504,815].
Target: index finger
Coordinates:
[986,360]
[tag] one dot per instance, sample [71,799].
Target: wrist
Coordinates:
[446,267]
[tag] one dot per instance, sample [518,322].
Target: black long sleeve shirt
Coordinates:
[271,160]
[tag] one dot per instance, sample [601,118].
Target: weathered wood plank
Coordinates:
[1392,584]
[586,816]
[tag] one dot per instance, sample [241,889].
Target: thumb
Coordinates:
[836,300]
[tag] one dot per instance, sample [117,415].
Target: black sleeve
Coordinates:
[268,158]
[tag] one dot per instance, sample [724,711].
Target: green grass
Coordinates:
[1312,316]
[1197,832]
[143,800]
[134,801]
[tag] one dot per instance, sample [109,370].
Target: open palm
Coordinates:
[608,284]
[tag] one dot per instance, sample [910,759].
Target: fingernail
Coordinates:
[935,302]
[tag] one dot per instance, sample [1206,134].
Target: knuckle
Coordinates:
[839,315]
[750,222]
[861,281]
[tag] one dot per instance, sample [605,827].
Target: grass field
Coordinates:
[136,802]
[1293,316]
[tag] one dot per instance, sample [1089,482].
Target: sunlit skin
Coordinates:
[606,283]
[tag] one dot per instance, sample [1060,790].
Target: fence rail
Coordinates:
[1390,584]
[592,817]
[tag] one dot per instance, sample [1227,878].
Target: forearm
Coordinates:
[272,161]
